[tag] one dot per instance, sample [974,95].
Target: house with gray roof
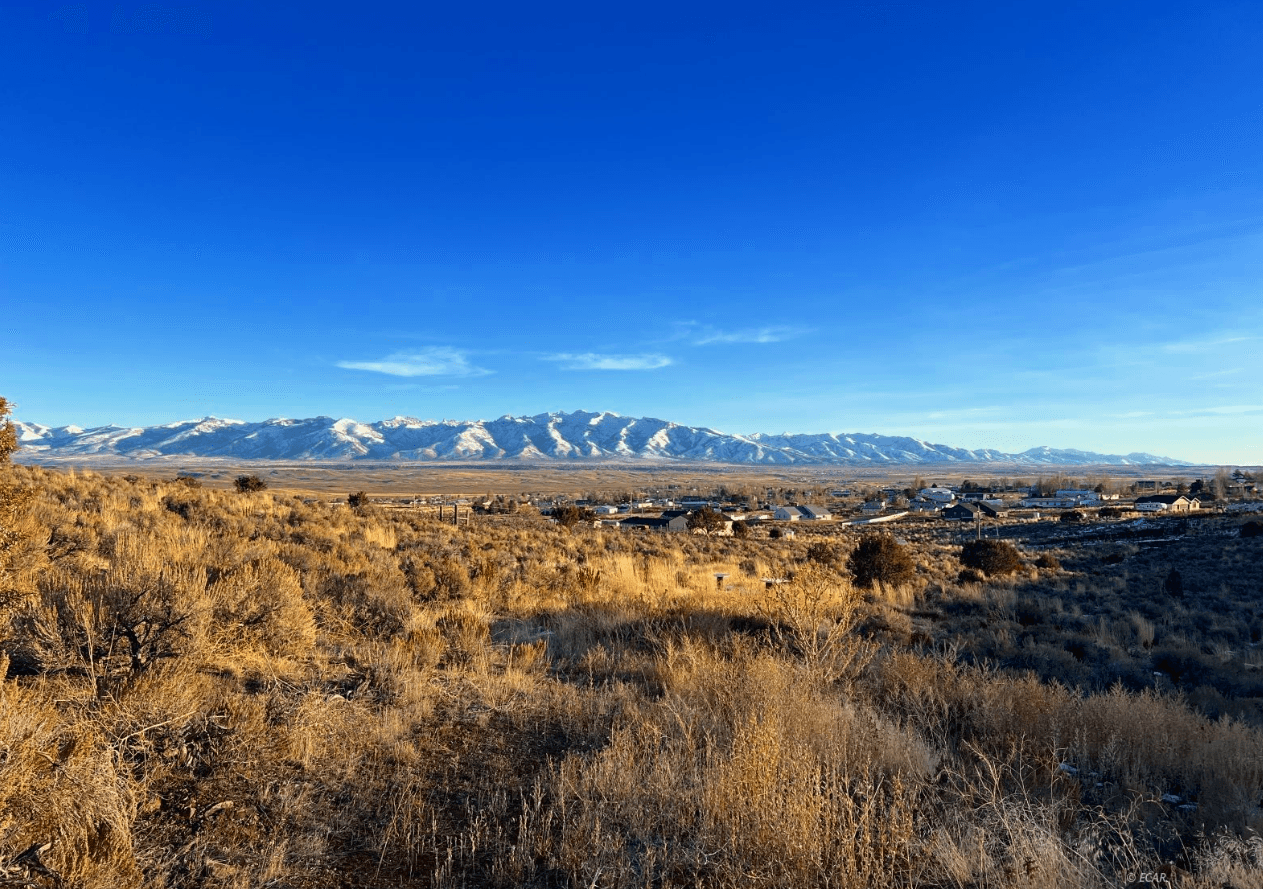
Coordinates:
[655,523]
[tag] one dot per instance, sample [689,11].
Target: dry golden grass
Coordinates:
[204,688]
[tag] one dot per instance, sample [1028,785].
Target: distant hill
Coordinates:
[555,436]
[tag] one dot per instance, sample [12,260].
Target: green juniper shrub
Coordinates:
[971,575]
[879,557]
[995,557]
[822,552]
[1048,562]
[570,516]
[248,483]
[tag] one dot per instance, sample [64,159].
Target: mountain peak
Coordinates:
[558,435]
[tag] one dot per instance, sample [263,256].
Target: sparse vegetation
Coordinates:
[21,554]
[205,689]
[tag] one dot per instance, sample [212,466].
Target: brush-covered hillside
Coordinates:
[216,689]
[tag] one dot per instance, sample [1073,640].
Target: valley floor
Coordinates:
[205,688]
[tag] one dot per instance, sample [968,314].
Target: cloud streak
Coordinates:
[435,361]
[709,336]
[595,361]
[1206,345]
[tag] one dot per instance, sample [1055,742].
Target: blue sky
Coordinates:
[987,225]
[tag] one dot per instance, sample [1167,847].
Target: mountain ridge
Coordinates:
[554,436]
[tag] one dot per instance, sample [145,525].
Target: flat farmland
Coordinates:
[468,478]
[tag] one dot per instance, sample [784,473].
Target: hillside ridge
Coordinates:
[561,436]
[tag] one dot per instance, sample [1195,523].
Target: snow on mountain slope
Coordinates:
[579,435]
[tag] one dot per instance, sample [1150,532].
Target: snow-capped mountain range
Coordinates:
[546,437]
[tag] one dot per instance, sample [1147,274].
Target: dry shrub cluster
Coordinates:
[237,689]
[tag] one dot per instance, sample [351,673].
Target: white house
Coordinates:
[1087,498]
[787,514]
[815,513]
[1050,503]
[606,510]
[873,506]
[1166,503]
[938,495]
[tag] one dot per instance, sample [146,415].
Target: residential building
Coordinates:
[659,523]
[1166,503]
[961,512]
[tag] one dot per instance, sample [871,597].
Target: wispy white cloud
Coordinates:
[1228,409]
[435,361]
[1217,373]
[776,334]
[706,335]
[1204,345]
[595,361]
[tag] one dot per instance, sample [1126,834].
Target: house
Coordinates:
[992,509]
[787,514]
[1087,498]
[659,523]
[606,510]
[920,504]
[1166,503]
[815,513]
[938,495]
[961,512]
[873,507]
[1050,502]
